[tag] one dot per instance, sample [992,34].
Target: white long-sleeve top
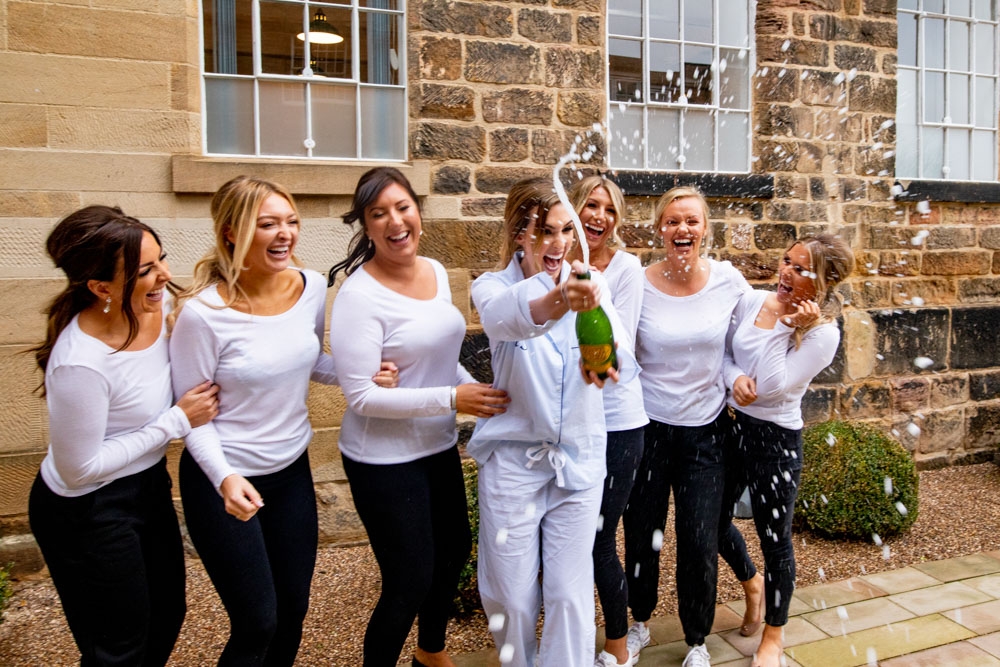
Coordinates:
[623,408]
[680,344]
[769,356]
[552,412]
[371,323]
[110,412]
[262,364]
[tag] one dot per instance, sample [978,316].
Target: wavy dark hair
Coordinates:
[93,243]
[370,186]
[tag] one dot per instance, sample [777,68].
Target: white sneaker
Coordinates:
[637,638]
[605,659]
[697,657]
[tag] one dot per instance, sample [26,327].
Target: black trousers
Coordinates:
[418,525]
[768,459]
[624,452]
[688,461]
[261,568]
[117,562]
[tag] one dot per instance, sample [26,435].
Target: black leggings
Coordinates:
[261,568]
[116,559]
[418,525]
[767,458]
[624,452]
[685,460]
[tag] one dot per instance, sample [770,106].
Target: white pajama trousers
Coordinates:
[525,520]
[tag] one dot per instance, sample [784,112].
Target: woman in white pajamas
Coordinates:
[541,464]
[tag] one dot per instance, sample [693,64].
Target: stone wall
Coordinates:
[96,106]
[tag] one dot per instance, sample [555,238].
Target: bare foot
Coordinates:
[438,659]
[770,650]
[754,614]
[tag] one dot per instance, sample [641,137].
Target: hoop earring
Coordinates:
[107,305]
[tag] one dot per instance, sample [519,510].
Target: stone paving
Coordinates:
[936,614]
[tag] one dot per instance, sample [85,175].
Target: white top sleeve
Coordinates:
[505,310]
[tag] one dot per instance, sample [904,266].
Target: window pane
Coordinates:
[985,115]
[664,133]
[625,70]
[984,147]
[734,31]
[698,74]
[664,72]
[282,118]
[380,4]
[734,89]
[984,48]
[933,35]
[907,4]
[906,150]
[936,6]
[626,133]
[334,121]
[380,43]
[229,116]
[933,97]
[958,98]
[699,138]
[958,154]
[907,39]
[228,37]
[958,47]
[932,152]
[383,114]
[280,51]
[958,7]
[698,21]
[330,57]
[984,10]
[734,146]
[907,103]
[664,19]
[625,17]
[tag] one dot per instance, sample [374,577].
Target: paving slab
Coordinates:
[963,567]
[858,616]
[796,607]
[989,643]
[826,596]
[939,598]
[881,643]
[959,654]
[798,631]
[675,652]
[989,584]
[901,580]
[980,618]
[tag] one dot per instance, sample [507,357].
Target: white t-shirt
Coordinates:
[782,373]
[262,364]
[371,323]
[553,413]
[110,412]
[680,344]
[623,407]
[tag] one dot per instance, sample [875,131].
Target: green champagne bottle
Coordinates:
[597,340]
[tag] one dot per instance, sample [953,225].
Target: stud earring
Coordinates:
[107,305]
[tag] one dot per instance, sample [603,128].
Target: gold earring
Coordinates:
[107,305]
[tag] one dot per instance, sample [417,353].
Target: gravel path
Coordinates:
[959,515]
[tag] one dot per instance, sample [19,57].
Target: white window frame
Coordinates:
[715,109]
[308,7]
[912,138]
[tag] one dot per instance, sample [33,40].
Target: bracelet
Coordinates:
[454,398]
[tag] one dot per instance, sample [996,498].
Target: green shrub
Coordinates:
[6,589]
[467,601]
[856,482]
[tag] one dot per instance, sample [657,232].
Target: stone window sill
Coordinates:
[968,192]
[198,174]
[713,185]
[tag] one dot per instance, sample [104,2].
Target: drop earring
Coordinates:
[107,305]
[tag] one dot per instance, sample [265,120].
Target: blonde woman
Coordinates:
[779,340]
[253,322]
[600,204]
[687,303]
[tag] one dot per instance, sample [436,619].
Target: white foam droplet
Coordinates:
[923,362]
[506,653]
[901,508]
[876,539]
[923,207]
[496,622]
[887,483]
[657,543]
[913,429]
[501,537]
[842,613]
